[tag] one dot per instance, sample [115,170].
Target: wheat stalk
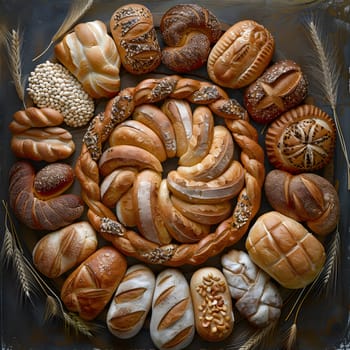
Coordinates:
[13,43]
[327,73]
[77,9]
[291,338]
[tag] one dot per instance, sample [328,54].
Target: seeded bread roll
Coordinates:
[131,302]
[212,304]
[281,87]
[59,251]
[172,322]
[284,249]
[188,30]
[241,55]
[136,39]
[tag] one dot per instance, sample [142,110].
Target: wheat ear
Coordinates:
[77,9]
[329,73]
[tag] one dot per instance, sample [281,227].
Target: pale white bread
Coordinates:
[257,298]
[132,302]
[212,304]
[91,55]
[59,251]
[172,322]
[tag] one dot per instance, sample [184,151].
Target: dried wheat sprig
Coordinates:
[77,9]
[291,338]
[7,248]
[329,73]
[13,43]
[258,337]
[73,321]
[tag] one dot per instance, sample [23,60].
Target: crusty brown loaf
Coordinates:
[40,214]
[89,288]
[188,31]
[120,108]
[132,302]
[90,54]
[306,197]
[241,54]
[136,39]
[212,304]
[257,298]
[59,251]
[284,249]
[281,87]
[172,321]
[301,140]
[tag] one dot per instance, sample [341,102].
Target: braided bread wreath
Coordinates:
[121,107]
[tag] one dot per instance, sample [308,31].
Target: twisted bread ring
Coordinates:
[120,108]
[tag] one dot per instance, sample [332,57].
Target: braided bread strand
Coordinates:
[120,108]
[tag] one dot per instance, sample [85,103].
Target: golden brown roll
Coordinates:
[212,304]
[59,251]
[281,87]
[132,302]
[241,55]
[306,197]
[188,31]
[301,140]
[136,39]
[90,54]
[89,288]
[284,249]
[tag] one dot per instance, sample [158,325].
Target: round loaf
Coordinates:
[133,31]
[131,302]
[241,54]
[52,180]
[281,87]
[172,321]
[212,304]
[305,197]
[284,249]
[90,287]
[59,251]
[90,54]
[188,31]
[301,140]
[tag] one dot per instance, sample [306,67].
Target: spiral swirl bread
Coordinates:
[188,30]
[90,54]
[246,179]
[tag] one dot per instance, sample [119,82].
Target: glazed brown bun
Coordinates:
[301,140]
[281,87]
[89,288]
[241,55]
[90,54]
[188,31]
[136,39]
[51,214]
[284,249]
[306,197]
[212,304]
[59,251]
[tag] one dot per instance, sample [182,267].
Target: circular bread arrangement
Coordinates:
[230,178]
[171,173]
